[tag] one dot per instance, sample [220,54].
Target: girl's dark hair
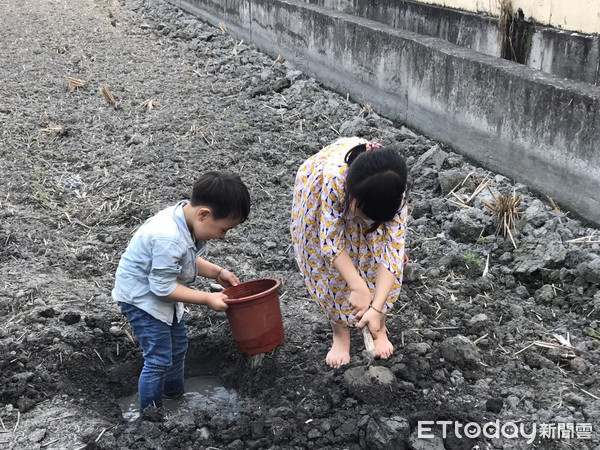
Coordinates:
[225,193]
[376,180]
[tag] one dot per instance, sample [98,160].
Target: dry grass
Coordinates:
[279,60]
[61,49]
[52,130]
[366,109]
[149,104]
[223,28]
[110,99]
[505,211]
[74,83]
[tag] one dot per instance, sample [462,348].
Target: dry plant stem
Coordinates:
[110,99]
[279,60]
[74,83]
[554,205]
[366,108]
[149,104]
[18,420]
[52,130]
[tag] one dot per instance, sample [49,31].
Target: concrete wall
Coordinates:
[573,15]
[565,54]
[518,121]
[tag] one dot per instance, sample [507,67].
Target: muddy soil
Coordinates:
[486,330]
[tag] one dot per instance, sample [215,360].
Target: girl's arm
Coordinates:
[372,317]
[360,296]
[391,267]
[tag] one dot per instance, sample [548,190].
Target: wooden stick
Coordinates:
[18,419]
[523,349]
[100,435]
[481,338]
[369,344]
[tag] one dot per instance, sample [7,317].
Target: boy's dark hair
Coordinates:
[224,193]
[377,181]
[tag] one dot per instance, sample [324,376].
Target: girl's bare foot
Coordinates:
[340,349]
[383,347]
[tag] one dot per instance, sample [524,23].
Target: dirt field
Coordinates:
[485,330]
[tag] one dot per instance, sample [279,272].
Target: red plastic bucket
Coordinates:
[255,316]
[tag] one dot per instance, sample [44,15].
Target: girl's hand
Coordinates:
[371,319]
[226,279]
[216,301]
[359,300]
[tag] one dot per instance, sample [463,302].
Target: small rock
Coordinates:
[467,225]
[494,405]
[545,294]
[71,318]
[215,287]
[418,348]
[578,364]
[314,434]
[270,244]
[354,127]
[516,311]
[461,351]
[522,292]
[545,252]
[451,179]
[389,433]
[537,213]
[37,435]
[434,155]
[478,322]
[574,399]
[590,270]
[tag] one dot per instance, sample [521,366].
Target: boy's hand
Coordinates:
[216,301]
[227,279]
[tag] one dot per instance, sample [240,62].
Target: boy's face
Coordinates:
[206,227]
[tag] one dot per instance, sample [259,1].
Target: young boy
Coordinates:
[161,260]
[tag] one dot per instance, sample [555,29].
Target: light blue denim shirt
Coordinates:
[160,256]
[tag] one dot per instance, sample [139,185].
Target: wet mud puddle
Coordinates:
[201,393]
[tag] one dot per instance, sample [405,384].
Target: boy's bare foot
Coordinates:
[340,349]
[383,347]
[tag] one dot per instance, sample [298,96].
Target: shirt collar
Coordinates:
[179,218]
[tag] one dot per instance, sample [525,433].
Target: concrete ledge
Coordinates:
[533,127]
[562,53]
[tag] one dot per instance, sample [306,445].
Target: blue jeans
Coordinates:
[164,348]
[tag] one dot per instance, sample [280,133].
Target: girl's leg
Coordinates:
[155,339]
[383,346]
[340,349]
[174,384]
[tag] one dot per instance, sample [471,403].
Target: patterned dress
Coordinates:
[321,230]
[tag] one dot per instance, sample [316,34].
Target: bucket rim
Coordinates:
[275,287]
